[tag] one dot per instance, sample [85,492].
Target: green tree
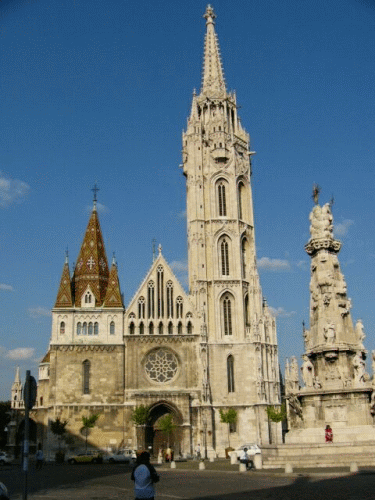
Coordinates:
[87,424]
[276,415]
[166,424]
[58,429]
[140,417]
[4,421]
[228,417]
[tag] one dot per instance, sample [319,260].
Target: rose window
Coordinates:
[161,365]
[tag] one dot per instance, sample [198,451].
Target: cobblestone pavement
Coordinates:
[219,485]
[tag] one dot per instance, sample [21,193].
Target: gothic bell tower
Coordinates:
[223,279]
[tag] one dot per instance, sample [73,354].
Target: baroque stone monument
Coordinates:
[336,389]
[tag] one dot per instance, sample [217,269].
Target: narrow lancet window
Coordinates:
[221,197]
[230,373]
[86,376]
[227,315]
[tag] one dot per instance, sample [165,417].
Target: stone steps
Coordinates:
[326,455]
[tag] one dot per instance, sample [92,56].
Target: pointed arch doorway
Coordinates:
[157,439]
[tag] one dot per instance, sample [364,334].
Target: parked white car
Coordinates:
[5,458]
[252,449]
[121,456]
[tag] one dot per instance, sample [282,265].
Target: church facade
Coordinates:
[190,354]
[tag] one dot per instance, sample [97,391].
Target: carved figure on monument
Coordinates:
[321,222]
[360,334]
[359,369]
[317,383]
[330,333]
[308,372]
[295,405]
[341,287]
[306,338]
[293,373]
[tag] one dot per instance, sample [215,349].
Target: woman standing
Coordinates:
[144,476]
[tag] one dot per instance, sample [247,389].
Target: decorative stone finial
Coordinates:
[209,15]
[114,259]
[159,248]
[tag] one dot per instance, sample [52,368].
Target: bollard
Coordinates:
[201,466]
[173,464]
[353,467]
[233,458]
[257,461]
[288,468]
[243,467]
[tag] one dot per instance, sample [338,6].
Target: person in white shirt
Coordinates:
[244,459]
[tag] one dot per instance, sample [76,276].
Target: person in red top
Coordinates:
[329,434]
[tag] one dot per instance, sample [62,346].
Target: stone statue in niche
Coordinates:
[317,383]
[308,372]
[321,222]
[330,333]
[359,369]
[360,334]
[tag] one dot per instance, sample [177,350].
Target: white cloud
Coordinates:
[268,264]
[179,266]
[11,190]
[281,313]
[342,228]
[21,353]
[37,312]
[7,288]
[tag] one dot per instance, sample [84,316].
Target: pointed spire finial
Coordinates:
[159,248]
[209,15]
[95,190]
[114,259]
[66,255]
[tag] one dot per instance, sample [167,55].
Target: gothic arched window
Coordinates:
[112,328]
[170,328]
[230,373]
[227,314]
[179,328]
[131,328]
[221,199]
[189,327]
[169,299]
[79,328]
[160,328]
[151,328]
[150,299]
[141,328]
[88,298]
[246,310]
[96,328]
[91,328]
[241,201]
[141,308]
[224,256]
[62,327]
[84,328]
[86,376]
[179,307]
[160,290]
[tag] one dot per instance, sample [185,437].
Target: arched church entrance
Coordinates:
[156,438]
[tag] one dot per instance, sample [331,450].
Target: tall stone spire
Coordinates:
[64,295]
[91,270]
[213,83]
[113,296]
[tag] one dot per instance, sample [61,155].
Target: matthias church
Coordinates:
[190,354]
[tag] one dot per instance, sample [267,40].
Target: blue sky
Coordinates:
[100,91]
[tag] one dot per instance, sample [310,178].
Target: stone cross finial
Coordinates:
[209,15]
[95,190]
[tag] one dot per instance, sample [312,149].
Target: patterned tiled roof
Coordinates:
[64,295]
[113,297]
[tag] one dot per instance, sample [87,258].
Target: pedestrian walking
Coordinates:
[144,476]
[39,458]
